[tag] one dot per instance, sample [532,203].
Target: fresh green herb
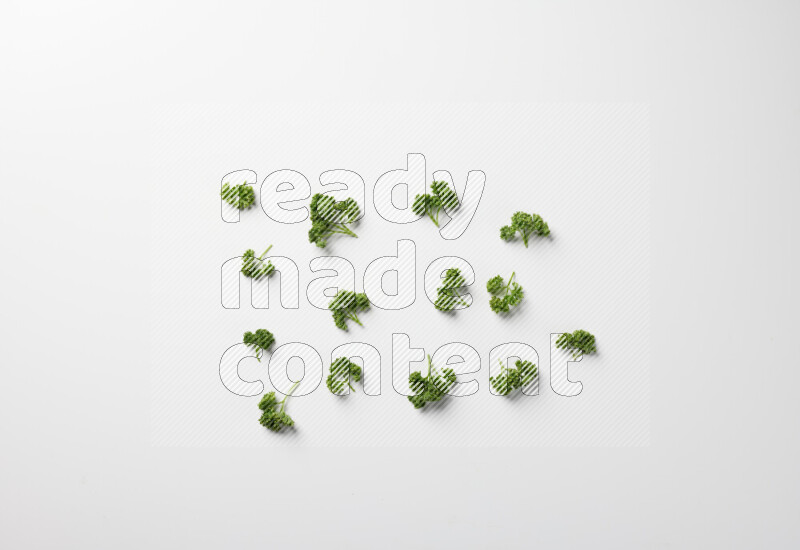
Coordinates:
[272,418]
[431,387]
[342,371]
[260,341]
[526,224]
[329,217]
[447,295]
[505,295]
[255,268]
[345,305]
[580,342]
[510,379]
[441,196]
[239,196]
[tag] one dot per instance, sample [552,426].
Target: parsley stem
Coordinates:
[508,286]
[265,252]
[291,391]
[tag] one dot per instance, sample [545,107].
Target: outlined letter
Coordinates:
[402,357]
[354,187]
[436,272]
[321,290]
[461,216]
[405,266]
[230,213]
[559,370]
[413,179]
[370,362]
[279,366]
[470,361]
[229,371]
[285,270]
[282,187]
[508,353]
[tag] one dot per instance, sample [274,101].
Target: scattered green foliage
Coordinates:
[272,418]
[447,295]
[239,196]
[255,268]
[510,379]
[505,295]
[345,305]
[441,196]
[580,342]
[260,341]
[342,371]
[329,217]
[526,224]
[431,387]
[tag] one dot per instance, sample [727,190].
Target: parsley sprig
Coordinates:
[505,295]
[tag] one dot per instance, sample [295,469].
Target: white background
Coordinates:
[79,82]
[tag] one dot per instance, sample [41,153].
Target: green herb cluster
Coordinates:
[580,342]
[510,379]
[329,217]
[275,418]
[255,268]
[526,225]
[260,341]
[505,295]
[431,387]
[239,196]
[447,295]
[342,371]
[345,305]
[441,196]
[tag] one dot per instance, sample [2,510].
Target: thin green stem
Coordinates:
[343,230]
[503,371]
[265,252]
[288,395]
[354,318]
[508,286]
[430,215]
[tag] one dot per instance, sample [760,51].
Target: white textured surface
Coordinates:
[584,168]
[80,80]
